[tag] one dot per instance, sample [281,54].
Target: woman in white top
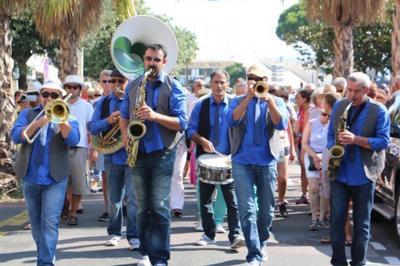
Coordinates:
[313,143]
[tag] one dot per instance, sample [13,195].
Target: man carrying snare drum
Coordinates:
[208,128]
[252,119]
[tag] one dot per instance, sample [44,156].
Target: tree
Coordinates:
[7,9]
[396,40]
[68,21]
[343,16]
[371,42]
[236,70]
[26,42]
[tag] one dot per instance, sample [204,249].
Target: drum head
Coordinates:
[214,161]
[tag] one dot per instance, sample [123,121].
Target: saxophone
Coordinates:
[337,151]
[136,127]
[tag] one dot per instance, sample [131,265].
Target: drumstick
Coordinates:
[220,154]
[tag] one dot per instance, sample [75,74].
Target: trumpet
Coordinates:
[56,111]
[261,89]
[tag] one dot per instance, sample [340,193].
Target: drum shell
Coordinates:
[216,175]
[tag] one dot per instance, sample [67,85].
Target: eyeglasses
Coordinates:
[256,79]
[106,81]
[325,114]
[120,81]
[72,87]
[150,58]
[53,95]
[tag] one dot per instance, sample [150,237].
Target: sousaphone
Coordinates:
[128,45]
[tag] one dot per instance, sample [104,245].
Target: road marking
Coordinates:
[16,220]
[392,260]
[377,246]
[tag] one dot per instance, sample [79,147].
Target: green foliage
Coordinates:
[26,42]
[372,43]
[236,70]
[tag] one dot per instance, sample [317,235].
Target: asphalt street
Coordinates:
[291,244]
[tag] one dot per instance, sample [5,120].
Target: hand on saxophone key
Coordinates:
[146,113]
[346,137]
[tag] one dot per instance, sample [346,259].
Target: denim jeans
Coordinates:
[152,184]
[44,204]
[363,199]
[207,210]
[120,185]
[255,225]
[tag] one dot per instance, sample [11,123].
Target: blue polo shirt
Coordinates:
[40,174]
[98,125]
[152,140]
[222,108]
[351,171]
[250,152]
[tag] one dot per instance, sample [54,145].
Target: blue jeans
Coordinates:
[152,183]
[44,204]
[363,199]
[207,209]
[120,185]
[255,225]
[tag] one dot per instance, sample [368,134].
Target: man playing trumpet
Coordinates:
[105,118]
[42,166]
[252,119]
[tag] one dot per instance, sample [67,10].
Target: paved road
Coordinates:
[291,244]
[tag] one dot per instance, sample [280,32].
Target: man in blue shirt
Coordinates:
[164,113]
[42,167]
[208,128]
[119,181]
[254,160]
[364,140]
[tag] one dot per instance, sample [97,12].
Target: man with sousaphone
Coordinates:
[45,133]
[252,119]
[107,139]
[208,128]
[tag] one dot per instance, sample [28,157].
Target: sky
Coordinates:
[232,30]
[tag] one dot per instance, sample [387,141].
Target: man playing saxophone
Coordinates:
[42,166]
[364,140]
[105,119]
[164,113]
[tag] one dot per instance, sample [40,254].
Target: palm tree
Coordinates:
[68,21]
[343,15]
[396,40]
[7,105]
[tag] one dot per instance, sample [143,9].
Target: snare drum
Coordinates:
[214,169]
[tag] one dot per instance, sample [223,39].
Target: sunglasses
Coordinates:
[256,79]
[149,59]
[97,95]
[106,81]
[120,81]
[72,87]
[53,95]
[325,114]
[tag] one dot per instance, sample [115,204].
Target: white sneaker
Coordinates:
[204,241]
[134,244]
[113,241]
[219,228]
[264,253]
[198,227]
[144,261]
[238,241]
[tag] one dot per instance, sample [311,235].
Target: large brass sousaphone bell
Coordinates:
[127,49]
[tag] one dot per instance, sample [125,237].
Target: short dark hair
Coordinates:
[117,74]
[331,98]
[222,72]
[305,94]
[157,47]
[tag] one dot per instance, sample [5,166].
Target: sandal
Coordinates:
[326,240]
[73,220]
[348,243]
[64,215]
